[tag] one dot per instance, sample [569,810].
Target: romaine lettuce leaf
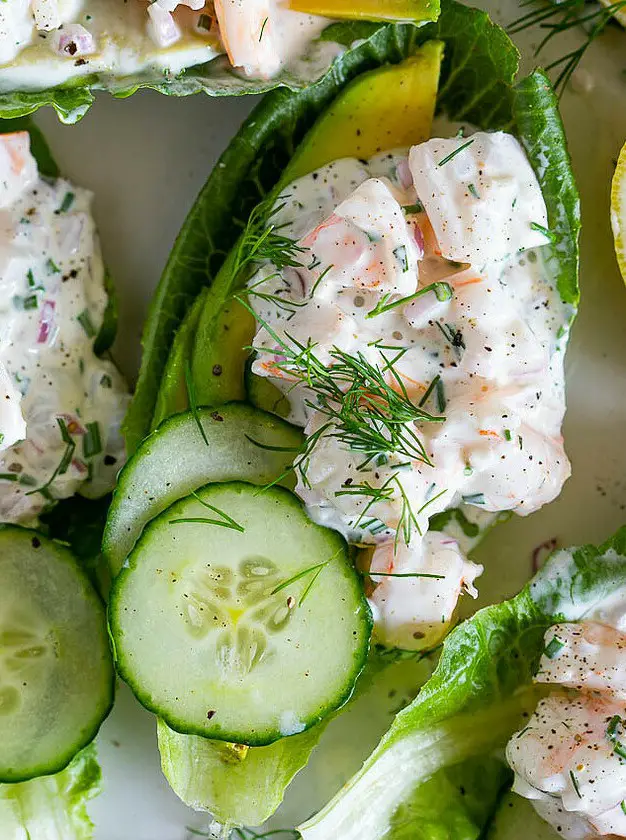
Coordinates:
[473,702]
[52,807]
[477,85]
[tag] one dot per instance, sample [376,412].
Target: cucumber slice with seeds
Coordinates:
[262,612]
[56,670]
[175,460]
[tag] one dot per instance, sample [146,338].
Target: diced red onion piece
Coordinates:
[46,321]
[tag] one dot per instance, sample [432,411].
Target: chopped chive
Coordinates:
[401,257]
[92,442]
[507,434]
[612,734]
[474,499]
[554,647]
[30,277]
[84,319]
[623,806]
[68,200]
[411,209]
[429,390]
[473,191]
[263,28]
[8,477]
[575,783]
[547,233]
[453,154]
[441,396]
[52,267]
[30,302]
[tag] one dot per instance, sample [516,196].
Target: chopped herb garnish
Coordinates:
[413,209]
[443,292]
[554,647]
[474,499]
[68,200]
[263,27]
[453,154]
[612,734]
[30,302]
[193,404]
[473,191]
[225,522]
[440,521]
[401,257]
[507,434]
[52,267]
[30,277]
[575,783]
[92,442]
[547,233]
[84,319]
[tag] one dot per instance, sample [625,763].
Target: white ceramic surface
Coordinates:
[145,159]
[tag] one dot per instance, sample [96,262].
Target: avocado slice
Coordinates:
[393,10]
[388,108]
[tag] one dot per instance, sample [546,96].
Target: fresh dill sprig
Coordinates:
[193,402]
[406,575]
[442,292]
[262,240]
[361,408]
[225,522]
[561,17]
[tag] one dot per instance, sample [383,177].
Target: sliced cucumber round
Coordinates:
[176,459]
[237,618]
[56,669]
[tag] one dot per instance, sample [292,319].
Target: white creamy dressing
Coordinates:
[45,43]
[60,406]
[570,759]
[494,349]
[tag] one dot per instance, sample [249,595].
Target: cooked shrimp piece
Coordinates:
[570,750]
[366,245]
[588,656]
[246,30]
[18,170]
[415,613]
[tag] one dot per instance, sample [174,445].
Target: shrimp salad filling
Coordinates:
[570,759]
[60,405]
[407,313]
[48,42]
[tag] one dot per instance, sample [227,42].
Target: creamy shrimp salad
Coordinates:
[570,759]
[47,42]
[60,405]
[427,268]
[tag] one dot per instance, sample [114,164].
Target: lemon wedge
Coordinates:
[618,210]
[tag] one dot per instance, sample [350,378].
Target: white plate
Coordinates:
[146,159]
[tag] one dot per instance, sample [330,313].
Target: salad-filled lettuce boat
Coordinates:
[60,414]
[520,730]
[60,52]
[369,308]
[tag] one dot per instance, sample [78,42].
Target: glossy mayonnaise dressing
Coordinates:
[44,43]
[60,405]
[482,353]
[570,759]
